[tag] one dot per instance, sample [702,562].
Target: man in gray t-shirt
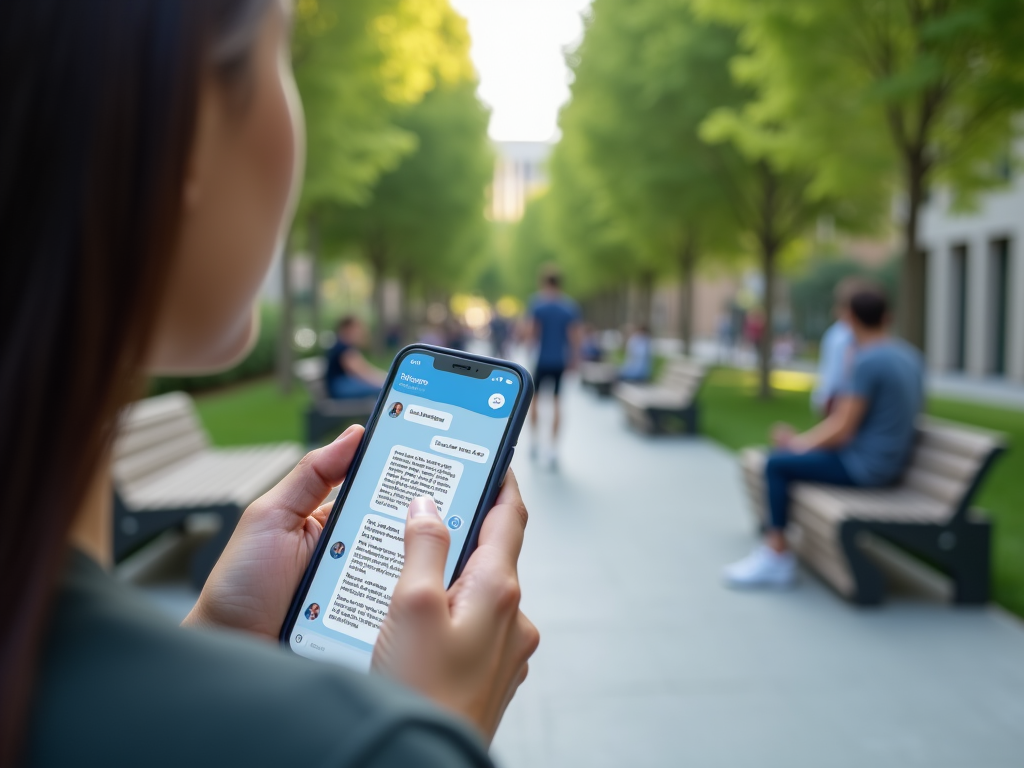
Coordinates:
[865,441]
[888,377]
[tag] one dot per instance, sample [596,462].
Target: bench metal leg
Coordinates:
[207,555]
[869,585]
[691,417]
[972,567]
[133,529]
[962,550]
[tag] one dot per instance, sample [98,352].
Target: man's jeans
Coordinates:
[784,468]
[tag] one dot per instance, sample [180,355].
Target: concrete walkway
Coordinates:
[646,660]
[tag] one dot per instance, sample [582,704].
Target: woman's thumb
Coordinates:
[426,544]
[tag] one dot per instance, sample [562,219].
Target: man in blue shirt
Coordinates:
[555,329]
[866,441]
[349,374]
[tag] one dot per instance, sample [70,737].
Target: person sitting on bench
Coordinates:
[349,374]
[866,441]
[639,362]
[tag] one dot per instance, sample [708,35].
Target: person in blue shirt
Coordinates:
[639,362]
[866,441]
[554,327]
[837,350]
[349,374]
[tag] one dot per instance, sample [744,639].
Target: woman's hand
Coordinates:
[254,581]
[466,648]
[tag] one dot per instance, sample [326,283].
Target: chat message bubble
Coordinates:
[363,593]
[459,448]
[419,414]
[409,473]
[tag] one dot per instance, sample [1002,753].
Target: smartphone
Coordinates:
[445,425]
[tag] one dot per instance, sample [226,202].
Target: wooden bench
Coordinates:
[600,376]
[659,406]
[928,514]
[166,471]
[324,412]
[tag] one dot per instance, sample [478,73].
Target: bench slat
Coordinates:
[951,465]
[942,488]
[218,476]
[158,458]
[134,440]
[947,438]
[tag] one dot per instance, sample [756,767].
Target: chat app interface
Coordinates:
[438,436]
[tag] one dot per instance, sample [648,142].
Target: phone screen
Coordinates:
[438,434]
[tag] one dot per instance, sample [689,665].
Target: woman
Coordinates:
[148,154]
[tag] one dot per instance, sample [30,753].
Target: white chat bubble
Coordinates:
[419,414]
[409,473]
[363,593]
[459,449]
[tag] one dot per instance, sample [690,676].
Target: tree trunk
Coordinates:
[768,254]
[911,309]
[377,256]
[405,307]
[622,310]
[687,263]
[315,318]
[285,324]
[769,250]
[645,299]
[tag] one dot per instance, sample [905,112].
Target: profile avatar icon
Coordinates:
[337,549]
[396,410]
[313,611]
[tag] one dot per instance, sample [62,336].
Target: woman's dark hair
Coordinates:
[100,102]
[870,305]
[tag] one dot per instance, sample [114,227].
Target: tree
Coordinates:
[663,157]
[920,91]
[646,76]
[358,64]
[589,243]
[425,223]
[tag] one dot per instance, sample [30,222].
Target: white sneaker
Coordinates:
[764,567]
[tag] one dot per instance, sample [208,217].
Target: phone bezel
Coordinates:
[506,448]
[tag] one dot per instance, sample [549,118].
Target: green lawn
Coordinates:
[732,414]
[253,413]
[256,412]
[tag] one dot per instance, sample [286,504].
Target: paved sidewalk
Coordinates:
[645,660]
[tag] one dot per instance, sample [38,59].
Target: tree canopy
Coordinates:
[912,92]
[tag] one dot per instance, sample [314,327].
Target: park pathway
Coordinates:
[646,660]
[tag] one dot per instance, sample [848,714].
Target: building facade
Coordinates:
[519,173]
[975,284]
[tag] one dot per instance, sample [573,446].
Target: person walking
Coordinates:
[866,441]
[554,327]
